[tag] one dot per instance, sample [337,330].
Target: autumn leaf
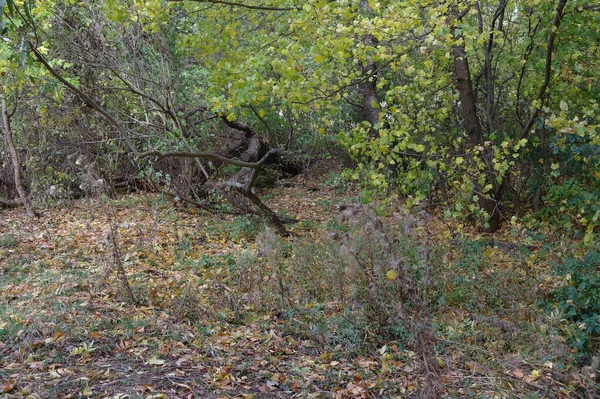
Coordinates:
[154,361]
[518,373]
[9,385]
[391,275]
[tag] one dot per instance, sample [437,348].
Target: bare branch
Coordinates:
[87,99]
[131,88]
[209,155]
[242,5]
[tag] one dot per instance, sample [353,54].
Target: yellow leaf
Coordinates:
[319,58]
[536,374]
[391,275]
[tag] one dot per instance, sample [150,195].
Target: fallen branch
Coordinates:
[252,151]
[210,155]
[267,212]
[195,203]
[10,204]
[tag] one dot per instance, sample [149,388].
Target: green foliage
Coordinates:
[577,299]
[468,282]
[336,180]
[297,79]
[8,241]
[575,207]
[244,227]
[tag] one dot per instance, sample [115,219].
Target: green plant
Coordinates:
[574,207]
[336,180]
[308,224]
[246,226]
[8,241]
[578,300]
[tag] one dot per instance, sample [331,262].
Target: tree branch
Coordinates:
[87,99]
[209,155]
[242,5]
[131,88]
[548,72]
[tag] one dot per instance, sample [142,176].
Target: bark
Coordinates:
[253,151]
[267,212]
[368,87]
[489,71]
[15,161]
[472,124]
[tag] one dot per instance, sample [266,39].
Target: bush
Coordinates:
[578,300]
[368,282]
[575,208]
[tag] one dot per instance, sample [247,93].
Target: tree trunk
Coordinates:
[15,161]
[464,85]
[368,87]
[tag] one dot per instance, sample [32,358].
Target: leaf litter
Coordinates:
[66,332]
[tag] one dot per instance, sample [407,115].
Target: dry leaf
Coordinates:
[154,361]
[9,385]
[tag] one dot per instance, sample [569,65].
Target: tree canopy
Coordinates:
[483,108]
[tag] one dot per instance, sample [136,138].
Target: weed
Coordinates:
[238,228]
[185,243]
[308,224]
[246,227]
[8,241]
[336,181]
[377,274]
[474,281]
[205,262]
[325,204]
[18,267]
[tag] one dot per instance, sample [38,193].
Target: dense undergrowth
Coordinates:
[355,304]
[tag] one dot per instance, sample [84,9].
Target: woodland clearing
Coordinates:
[65,330]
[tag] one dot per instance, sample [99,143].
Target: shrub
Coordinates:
[578,300]
[368,281]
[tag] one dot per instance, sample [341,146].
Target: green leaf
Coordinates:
[27,12]
[319,58]
[11,7]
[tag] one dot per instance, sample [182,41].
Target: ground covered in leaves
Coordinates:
[67,331]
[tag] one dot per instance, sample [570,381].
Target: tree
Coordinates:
[504,126]
[158,96]
[14,80]
[444,102]
[8,135]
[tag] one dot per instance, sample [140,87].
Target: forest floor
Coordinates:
[66,330]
